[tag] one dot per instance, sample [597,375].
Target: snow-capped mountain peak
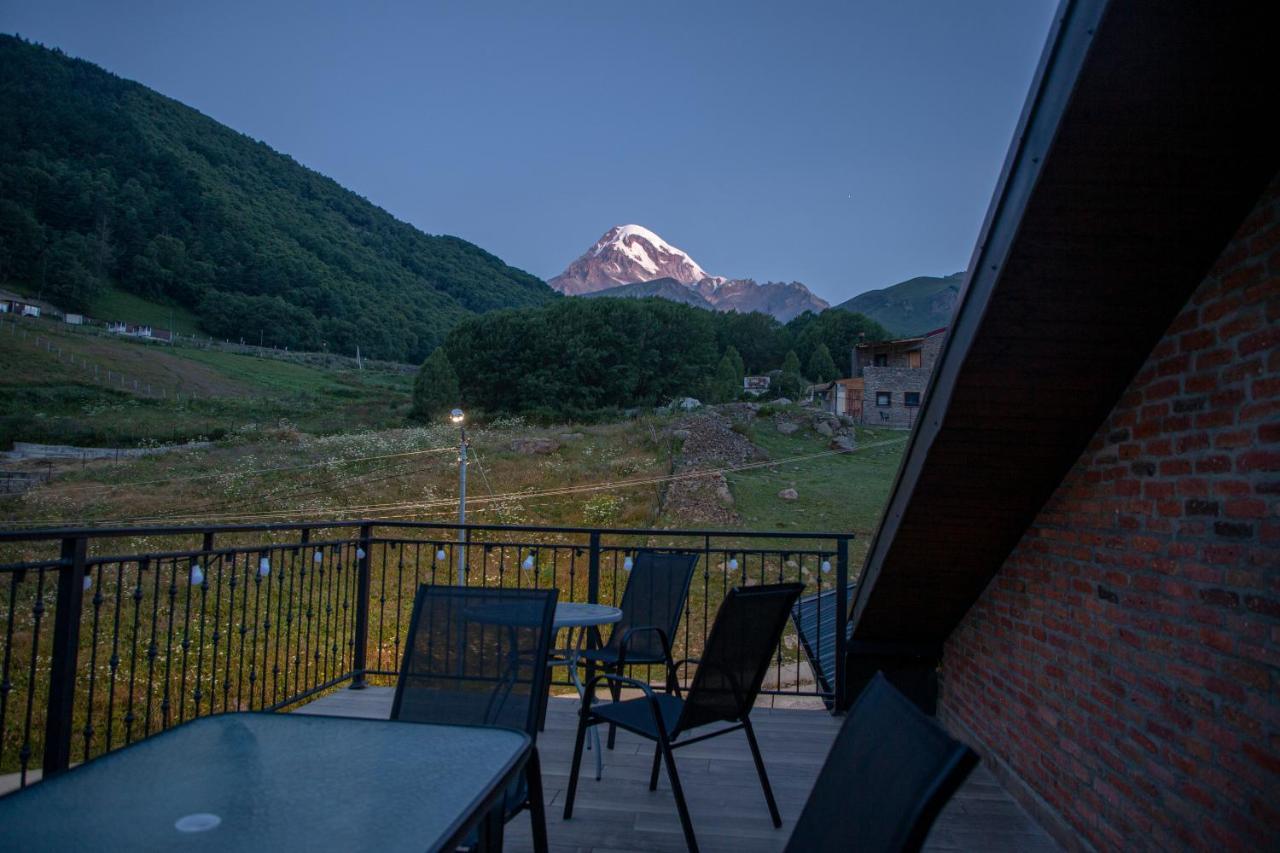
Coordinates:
[633,255]
[627,254]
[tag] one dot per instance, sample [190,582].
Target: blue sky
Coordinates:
[848,145]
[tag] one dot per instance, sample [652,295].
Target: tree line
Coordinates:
[580,359]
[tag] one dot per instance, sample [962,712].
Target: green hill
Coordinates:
[106,184]
[911,307]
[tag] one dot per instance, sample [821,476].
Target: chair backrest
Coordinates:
[888,775]
[476,657]
[739,650]
[655,595]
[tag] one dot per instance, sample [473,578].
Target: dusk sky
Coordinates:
[847,145]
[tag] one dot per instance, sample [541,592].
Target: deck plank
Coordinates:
[620,815]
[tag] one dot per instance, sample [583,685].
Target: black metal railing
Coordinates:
[112,635]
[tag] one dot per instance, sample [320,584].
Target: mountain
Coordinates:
[105,184]
[629,255]
[664,288]
[911,307]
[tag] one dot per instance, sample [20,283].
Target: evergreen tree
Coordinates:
[791,383]
[739,366]
[435,389]
[726,384]
[821,367]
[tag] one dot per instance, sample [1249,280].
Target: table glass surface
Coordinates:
[274,782]
[571,614]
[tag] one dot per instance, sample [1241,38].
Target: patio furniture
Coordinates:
[479,656]
[576,618]
[651,606]
[815,620]
[888,775]
[738,654]
[257,781]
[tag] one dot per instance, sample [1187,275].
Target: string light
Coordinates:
[197,574]
[733,564]
[627,564]
[528,563]
[318,556]
[826,566]
[440,555]
[264,567]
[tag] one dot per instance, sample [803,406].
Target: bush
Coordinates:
[435,389]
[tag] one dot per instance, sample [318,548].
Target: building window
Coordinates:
[883,398]
[881,360]
[913,360]
[911,398]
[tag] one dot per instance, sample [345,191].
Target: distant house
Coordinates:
[22,309]
[893,376]
[841,397]
[74,319]
[756,385]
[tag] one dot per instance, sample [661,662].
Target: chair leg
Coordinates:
[764,778]
[615,690]
[537,808]
[577,765]
[664,746]
[657,762]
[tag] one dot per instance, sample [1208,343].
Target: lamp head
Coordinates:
[457,416]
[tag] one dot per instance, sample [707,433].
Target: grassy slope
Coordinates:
[844,492]
[54,398]
[116,304]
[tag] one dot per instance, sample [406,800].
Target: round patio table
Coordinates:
[576,618]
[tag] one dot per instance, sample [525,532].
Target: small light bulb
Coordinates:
[733,564]
[527,565]
[359,553]
[440,555]
[88,582]
[264,567]
[318,557]
[826,566]
[197,574]
[626,564]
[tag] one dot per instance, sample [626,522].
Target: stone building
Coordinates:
[893,376]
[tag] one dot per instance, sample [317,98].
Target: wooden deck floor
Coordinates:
[729,814]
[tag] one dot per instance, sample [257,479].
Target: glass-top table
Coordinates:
[576,618]
[256,781]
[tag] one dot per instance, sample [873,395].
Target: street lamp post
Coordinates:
[458,417]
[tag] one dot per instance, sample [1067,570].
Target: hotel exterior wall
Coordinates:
[1123,667]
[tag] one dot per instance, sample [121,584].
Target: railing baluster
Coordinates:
[66,647]
[358,662]
[842,619]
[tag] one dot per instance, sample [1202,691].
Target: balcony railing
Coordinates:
[112,635]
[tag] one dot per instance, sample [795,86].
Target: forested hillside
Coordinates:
[105,183]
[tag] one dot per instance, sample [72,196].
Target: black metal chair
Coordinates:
[479,657]
[888,775]
[725,684]
[651,608]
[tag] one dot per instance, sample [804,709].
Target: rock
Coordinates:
[789,494]
[843,442]
[570,436]
[782,401]
[724,495]
[847,421]
[824,428]
[531,446]
[681,434]
[688,404]
[787,427]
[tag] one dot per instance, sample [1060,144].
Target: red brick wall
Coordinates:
[1125,662]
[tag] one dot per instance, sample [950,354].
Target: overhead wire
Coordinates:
[509,496]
